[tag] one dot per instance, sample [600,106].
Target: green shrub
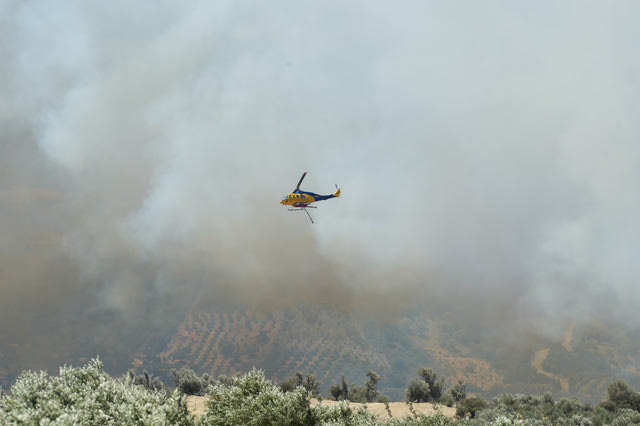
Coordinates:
[622,396]
[435,385]
[569,407]
[470,406]
[527,407]
[336,392]
[340,392]
[602,416]
[308,382]
[422,420]
[626,417]
[368,392]
[447,400]
[343,414]
[357,394]
[429,388]
[383,399]
[146,380]
[371,386]
[459,391]
[188,382]
[418,391]
[87,395]
[252,399]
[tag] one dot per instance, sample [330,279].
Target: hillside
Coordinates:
[330,344]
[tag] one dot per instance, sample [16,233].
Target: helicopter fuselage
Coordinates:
[299,199]
[304,198]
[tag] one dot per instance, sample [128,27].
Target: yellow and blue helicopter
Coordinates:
[299,200]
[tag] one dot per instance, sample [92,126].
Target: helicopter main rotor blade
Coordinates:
[299,182]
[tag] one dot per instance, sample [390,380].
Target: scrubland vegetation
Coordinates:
[88,395]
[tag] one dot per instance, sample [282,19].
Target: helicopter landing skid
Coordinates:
[305,210]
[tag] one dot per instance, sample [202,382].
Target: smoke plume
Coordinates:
[486,152]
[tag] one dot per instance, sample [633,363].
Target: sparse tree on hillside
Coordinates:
[340,392]
[371,390]
[418,391]
[336,392]
[308,382]
[227,380]
[368,392]
[146,380]
[454,394]
[290,384]
[429,388]
[357,393]
[459,391]
[435,385]
[345,388]
[311,385]
[188,382]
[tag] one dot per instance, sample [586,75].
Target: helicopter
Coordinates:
[299,200]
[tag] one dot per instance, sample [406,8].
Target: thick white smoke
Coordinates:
[484,150]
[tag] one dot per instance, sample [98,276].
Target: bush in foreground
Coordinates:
[253,399]
[88,395]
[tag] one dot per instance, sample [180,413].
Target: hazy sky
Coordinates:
[487,150]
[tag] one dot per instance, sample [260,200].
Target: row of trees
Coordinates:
[88,395]
[621,406]
[368,392]
[426,388]
[623,403]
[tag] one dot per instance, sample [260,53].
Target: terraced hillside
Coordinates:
[324,344]
[330,344]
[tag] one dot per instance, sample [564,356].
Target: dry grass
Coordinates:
[398,409]
[197,406]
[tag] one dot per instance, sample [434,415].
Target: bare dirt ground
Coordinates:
[536,362]
[197,406]
[398,409]
[568,337]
